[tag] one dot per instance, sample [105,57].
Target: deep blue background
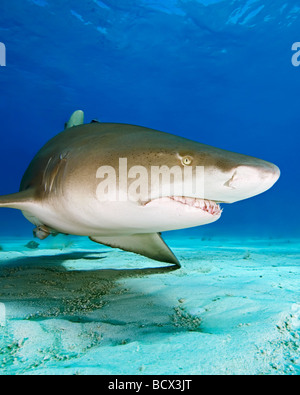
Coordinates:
[218,72]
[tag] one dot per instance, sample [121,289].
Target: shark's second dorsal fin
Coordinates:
[76,119]
[150,245]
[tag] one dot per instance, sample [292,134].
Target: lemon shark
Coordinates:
[62,189]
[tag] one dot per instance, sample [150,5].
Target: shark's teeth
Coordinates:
[209,206]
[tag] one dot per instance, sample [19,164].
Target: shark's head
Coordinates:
[179,183]
[230,177]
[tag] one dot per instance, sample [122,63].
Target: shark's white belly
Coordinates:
[93,218]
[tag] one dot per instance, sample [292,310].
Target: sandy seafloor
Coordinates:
[75,307]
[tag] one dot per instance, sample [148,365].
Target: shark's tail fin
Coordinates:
[17,200]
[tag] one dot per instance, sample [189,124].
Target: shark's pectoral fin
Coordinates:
[20,200]
[76,119]
[150,245]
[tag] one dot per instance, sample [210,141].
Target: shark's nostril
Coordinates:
[251,179]
[230,181]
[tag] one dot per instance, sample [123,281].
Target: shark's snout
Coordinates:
[270,174]
[250,180]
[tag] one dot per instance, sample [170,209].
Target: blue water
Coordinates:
[218,72]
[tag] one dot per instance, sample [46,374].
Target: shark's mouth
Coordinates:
[208,206]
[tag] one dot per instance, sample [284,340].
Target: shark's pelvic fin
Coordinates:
[77,118]
[42,232]
[150,245]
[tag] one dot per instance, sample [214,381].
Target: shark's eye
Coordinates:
[186,160]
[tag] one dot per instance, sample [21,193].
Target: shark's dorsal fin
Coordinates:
[150,245]
[76,119]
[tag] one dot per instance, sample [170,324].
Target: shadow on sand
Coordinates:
[57,286]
